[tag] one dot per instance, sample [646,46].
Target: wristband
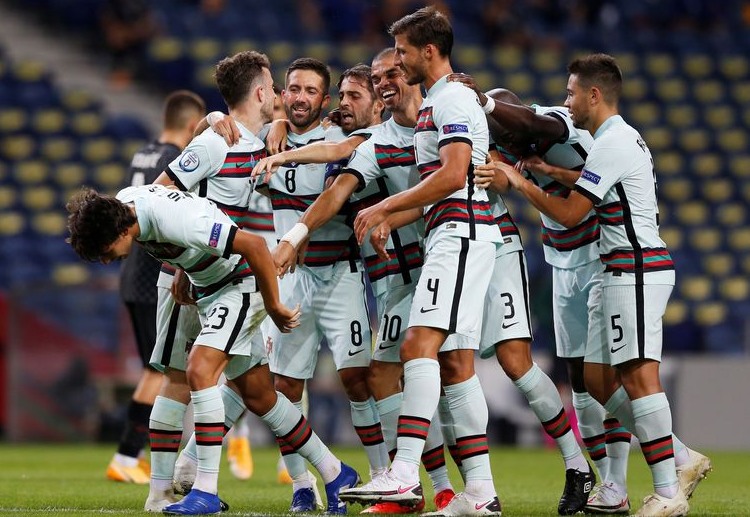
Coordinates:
[489,107]
[296,235]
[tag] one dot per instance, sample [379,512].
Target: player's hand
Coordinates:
[469,82]
[369,218]
[224,126]
[484,175]
[284,318]
[532,164]
[333,119]
[268,165]
[379,239]
[180,289]
[515,178]
[285,257]
[302,252]
[277,136]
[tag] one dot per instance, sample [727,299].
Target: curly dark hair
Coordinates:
[95,222]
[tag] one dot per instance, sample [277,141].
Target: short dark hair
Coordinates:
[236,75]
[359,71]
[424,26]
[180,106]
[388,51]
[317,66]
[600,70]
[95,222]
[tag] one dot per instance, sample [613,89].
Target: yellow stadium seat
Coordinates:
[110,175]
[469,57]
[740,166]
[720,117]
[98,150]
[707,239]
[739,239]
[38,198]
[660,65]
[735,289]
[708,92]
[707,165]
[7,197]
[354,53]
[58,148]
[745,263]
[734,67]
[29,70]
[681,115]
[507,58]
[546,61]
[696,288]
[521,83]
[694,140]
[12,119]
[87,123]
[635,89]
[717,190]
[718,264]
[319,50]
[17,147]
[129,147]
[11,223]
[698,66]
[710,313]
[70,274]
[51,120]
[69,175]
[692,213]
[732,214]
[49,223]
[553,87]
[281,52]
[732,140]
[669,163]
[676,189]
[78,100]
[676,312]
[741,92]
[672,237]
[672,90]
[658,138]
[31,172]
[629,63]
[665,212]
[206,49]
[645,114]
[240,45]
[166,49]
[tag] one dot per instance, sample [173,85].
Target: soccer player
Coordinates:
[461,237]
[382,165]
[193,233]
[618,181]
[182,111]
[577,272]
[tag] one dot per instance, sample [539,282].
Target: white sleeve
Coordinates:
[201,159]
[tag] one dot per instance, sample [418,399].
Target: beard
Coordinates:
[301,120]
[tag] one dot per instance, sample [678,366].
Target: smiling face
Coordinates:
[390,85]
[357,106]
[304,97]
[410,59]
[577,102]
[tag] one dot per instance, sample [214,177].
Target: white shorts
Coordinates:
[633,321]
[451,289]
[506,306]
[334,307]
[576,308]
[177,326]
[231,319]
[393,307]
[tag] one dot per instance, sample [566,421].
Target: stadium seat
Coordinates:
[709,92]
[70,274]
[681,115]
[87,123]
[49,121]
[732,140]
[669,163]
[741,92]
[17,147]
[635,89]
[49,223]
[469,58]
[658,138]
[739,239]
[110,176]
[283,52]
[731,214]
[205,49]
[645,114]
[39,198]
[129,147]
[696,288]
[697,66]
[75,100]
[695,140]
[507,58]
[707,239]
[735,289]
[13,119]
[546,61]
[719,265]
[241,45]
[692,213]
[553,87]
[710,313]
[31,172]
[98,149]
[739,166]
[11,223]
[660,65]
[720,116]
[353,53]
[521,83]
[671,90]
[676,312]
[734,67]
[59,149]
[706,165]
[629,62]
[319,50]
[717,190]
[672,236]
[7,197]
[69,175]
[676,189]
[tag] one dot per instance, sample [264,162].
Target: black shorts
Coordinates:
[143,318]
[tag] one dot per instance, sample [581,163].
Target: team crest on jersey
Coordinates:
[213,240]
[590,176]
[455,128]
[189,161]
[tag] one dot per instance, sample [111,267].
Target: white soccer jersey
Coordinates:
[293,188]
[451,113]
[385,165]
[212,169]
[198,240]
[619,179]
[566,248]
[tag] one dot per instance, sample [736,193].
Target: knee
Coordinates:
[384,379]
[355,381]
[514,358]
[291,388]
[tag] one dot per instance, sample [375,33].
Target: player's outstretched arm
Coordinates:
[319,152]
[380,234]
[253,248]
[536,165]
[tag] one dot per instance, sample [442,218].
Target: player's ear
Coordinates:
[326,101]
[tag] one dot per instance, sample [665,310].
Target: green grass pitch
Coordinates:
[69,480]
